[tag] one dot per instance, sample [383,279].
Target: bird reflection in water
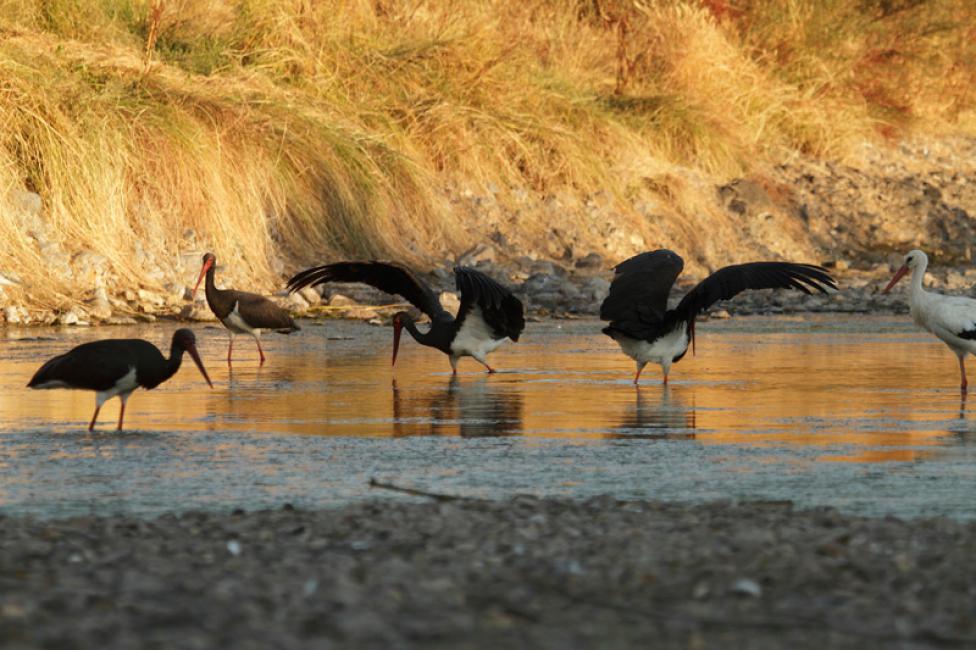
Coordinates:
[465,408]
[657,414]
[963,428]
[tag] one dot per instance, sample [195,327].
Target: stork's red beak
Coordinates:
[203,272]
[397,327]
[192,349]
[898,276]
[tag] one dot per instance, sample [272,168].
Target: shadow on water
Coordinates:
[657,414]
[470,408]
[963,428]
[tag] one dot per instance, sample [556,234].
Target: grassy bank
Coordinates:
[276,132]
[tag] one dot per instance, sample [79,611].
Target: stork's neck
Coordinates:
[161,373]
[175,359]
[429,338]
[918,298]
[216,298]
[209,285]
[918,275]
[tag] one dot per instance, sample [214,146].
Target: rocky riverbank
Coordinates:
[486,574]
[857,218]
[552,290]
[548,289]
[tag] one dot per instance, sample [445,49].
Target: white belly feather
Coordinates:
[475,338]
[125,385]
[945,316]
[236,324]
[661,351]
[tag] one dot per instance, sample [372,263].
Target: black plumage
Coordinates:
[500,309]
[489,313]
[116,367]
[242,312]
[637,304]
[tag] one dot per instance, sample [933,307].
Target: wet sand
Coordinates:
[488,574]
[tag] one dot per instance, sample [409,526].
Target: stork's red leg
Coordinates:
[230,349]
[962,373]
[665,382]
[637,376]
[121,415]
[91,425]
[260,351]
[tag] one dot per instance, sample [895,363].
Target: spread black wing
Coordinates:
[731,280]
[500,309]
[384,276]
[638,298]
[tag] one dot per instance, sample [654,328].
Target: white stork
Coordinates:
[951,318]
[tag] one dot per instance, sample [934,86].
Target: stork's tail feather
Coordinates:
[611,331]
[46,374]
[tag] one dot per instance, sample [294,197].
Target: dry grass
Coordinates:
[276,132]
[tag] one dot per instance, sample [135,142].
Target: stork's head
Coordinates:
[915,259]
[209,259]
[183,339]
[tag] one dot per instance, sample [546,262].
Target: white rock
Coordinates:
[69,317]
[295,302]
[450,302]
[747,587]
[311,295]
[29,202]
[339,300]
[198,312]
[360,313]
[150,298]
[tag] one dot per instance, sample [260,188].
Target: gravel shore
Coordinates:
[488,574]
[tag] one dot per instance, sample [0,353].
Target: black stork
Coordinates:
[488,314]
[116,367]
[637,305]
[242,312]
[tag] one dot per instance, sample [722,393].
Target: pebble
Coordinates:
[747,587]
[526,572]
[339,300]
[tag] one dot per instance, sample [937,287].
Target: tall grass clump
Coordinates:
[276,132]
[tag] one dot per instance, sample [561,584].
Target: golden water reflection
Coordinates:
[867,391]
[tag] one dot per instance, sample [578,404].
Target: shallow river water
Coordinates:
[861,413]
